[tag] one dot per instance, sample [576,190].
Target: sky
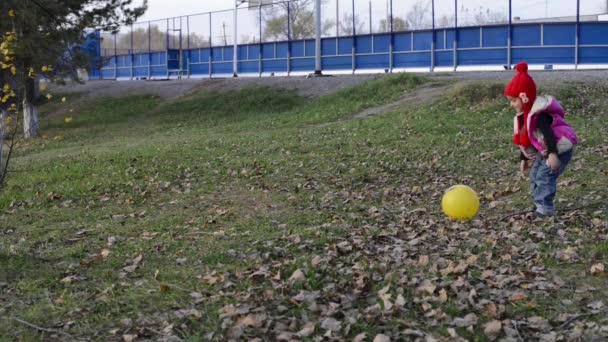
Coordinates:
[158,9]
[220,24]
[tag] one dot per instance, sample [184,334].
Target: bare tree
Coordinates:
[301,18]
[481,16]
[346,24]
[399,24]
[419,17]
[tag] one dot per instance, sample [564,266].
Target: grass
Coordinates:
[211,189]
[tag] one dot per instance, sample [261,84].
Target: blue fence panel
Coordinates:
[364,44]
[469,38]
[123,61]
[123,72]
[544,55]
[444,58]
[249,67]
[140,72]
[482,57]
[254,51]
[218,54]
[140,59]
[282,49]
[297,48]
[495,36]
[337,63]
[159,58]
[526,35]
[221,68]
[382,43]
[422,41]
[450,39]
[559,34]
[205,55]
[228,50]
[276,65]
[440,40]
[107,74]
[593,55]
[537,43]
[243,52]
[328,47]
[310,48]
[158,71]
[412,59]
[594,34]
[372,61]
[403,41]
[303,64]
[199,69]
[268,51]
[345,46]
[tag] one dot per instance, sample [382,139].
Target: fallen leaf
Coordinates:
[360,338]
[597,269]
[517,296]
[426,287]
[307,330]
[297,276]
[129,338]
[331,324]
[466,321]
[492,329]
[443,295]
[382,338]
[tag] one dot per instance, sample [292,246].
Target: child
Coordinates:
[543,137]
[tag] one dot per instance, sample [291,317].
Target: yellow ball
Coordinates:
[460,202]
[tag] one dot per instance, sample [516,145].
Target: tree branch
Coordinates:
[41,328]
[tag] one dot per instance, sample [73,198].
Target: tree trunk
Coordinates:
[4,116]
[31,128]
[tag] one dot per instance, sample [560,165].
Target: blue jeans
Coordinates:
[543,183]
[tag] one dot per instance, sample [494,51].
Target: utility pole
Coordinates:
[337,18]
[224,36]
[318,71]
[370,18]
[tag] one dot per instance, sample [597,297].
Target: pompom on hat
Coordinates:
[523,87]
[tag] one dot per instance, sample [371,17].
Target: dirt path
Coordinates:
[419,96]
[307,87]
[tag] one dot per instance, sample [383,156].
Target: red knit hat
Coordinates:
[523,87]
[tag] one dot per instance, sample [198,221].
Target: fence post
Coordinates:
[210,47]
[354,45]
[188,44]
[260,48]
[288,37]
[318,37]
[167,49]
[149,52]
[578,33]
[132,53]
[455,35]
[338,25]
[235,63]
[391,46]
[510,38]
[433,36]
[115,60]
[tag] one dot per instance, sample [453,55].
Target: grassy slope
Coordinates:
[213,188]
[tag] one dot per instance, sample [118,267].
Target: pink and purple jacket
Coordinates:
[564,133]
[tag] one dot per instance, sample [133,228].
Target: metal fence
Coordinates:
[279,37]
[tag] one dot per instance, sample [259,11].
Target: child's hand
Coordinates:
[553,161]
[523,167]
